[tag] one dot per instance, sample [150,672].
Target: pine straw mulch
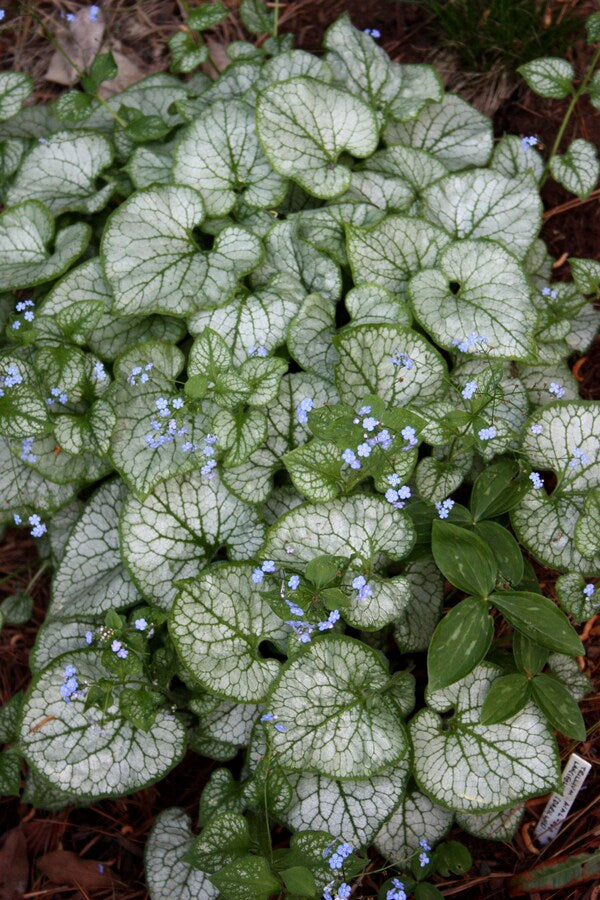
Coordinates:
[56,855]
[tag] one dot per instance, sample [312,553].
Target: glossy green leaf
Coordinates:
[559,707]
[464,558]
[539,619]
[459,643]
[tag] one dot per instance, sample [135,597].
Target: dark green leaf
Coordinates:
[74,106]
[465,559]
[196,387]
[452,858]
[559,706]
[459,642]
[138,706]
[104,68]
[592,28]
[529,656]
[426,891]
[498,488]
[248,878]
[10,772]
[17,609]
[322,570]
[505,698]
[299,881]
[505,549]
[539,619]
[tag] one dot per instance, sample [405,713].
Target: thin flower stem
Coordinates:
[38,574]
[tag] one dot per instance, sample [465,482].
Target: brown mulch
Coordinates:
[57,855]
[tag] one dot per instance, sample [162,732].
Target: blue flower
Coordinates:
[397,892]
[394,480]
[279,727]
[349,457]
[410,435]
[2,14]
[271,717]
[424,845]
[18,519]
[402,359]
[589,590]
[93,13]
[26,451]
[344,889]
[122,653]
[344,850]
[336,861]
[370,423]
[364,410]
[140,624]
[470,343]
[536,429]
[267,717]
[70,670]
[536,481]
[469,389]
[333,617]
[423,860]
[257,350]
[16,324]
[579,457]
[547,292]
[304,407]
[89,637]
[384,439]
[98,372]
[177,403]
[528,142]
[38,527]
[556,389]
[268,566]
[486,434]
[363,450]
[294,608]
[208,469]
[374,33]
[444,507]
[258,575]
[294,582]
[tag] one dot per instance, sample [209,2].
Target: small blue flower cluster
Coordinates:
[423,858]
[2,14]
[93,13]
[118,648]
[536,480]
[579,458]
[38,528]
[556,389]
[528,142]
[443,507]
[270,717]
[70,687]
[536,429]
[258,574]
[140,374]
[469,389]
[11,379]
[589,590]
[372,32]
[337,858]
[257,350]
[26,307]
[402,359]
[397,892]
[304,407]
[548,292]
[382,439]
[342,893]
[27,454]
[362,587]
[486,434]
[68,17]
[395,494]
[57,396]
[99,372]
[470,343]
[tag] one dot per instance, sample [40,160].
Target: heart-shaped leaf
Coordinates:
[577,169]
[15,87]
[415,819]
[548,76]
[167,872]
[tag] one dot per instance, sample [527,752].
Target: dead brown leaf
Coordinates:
[14,866]
[65,867]
[81,41]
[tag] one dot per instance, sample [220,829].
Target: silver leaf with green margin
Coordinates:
[365,69]
[250,320]
[451,130]
[352,809]
[252,481]
[493,299]
[546,526]
[153,264]
[548,76]
[60,528]
[389,601]
[239,435]
[152,96]
[59,636]
[225,720]
[365,365]
[495,826]
[217,623]
[436,476]
[392,251]
[151,164]
[91,578]
[364,527]
[587,530]
[179,527]
[15,88]
[63,172]
[321,698]
[324,228]
[577,169]
[416,168]
[30,251]
[282,499]
[220,156]
[286,113]
[567,670]
[416,818]
[168,875]
[486,204]
[414,627]
[315,469]
[471,767]
[371,304]
[286,253]
[23,490]
[569,592]
[511,158]
[382,191]
[586,274]
[537,379]
[63,467]
[110,760]
[23,413]
[290,64]
[310,336]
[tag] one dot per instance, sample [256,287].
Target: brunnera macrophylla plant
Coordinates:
[281,354]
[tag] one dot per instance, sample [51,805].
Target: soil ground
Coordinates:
[40,852]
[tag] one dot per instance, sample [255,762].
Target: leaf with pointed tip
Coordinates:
[25,491]
[167,873]
[221,793]
[257,319]
[291,63]
[567,670]
[63,172]
[539,619]
[358,64]
[486,204]
[370,304]
[471,767]
[365,365]
[459,642]
[495,826]
[392,251]
[219,155]
[263,376]
[91,578]
[506,697]
[171,274]
[179,527]
[186,53]
[217,623]
[577,169]
[338,721]
[559,706]
[151,164]
[354,809]
[477,286]
[310,336]
[27,231]
[256,17]
[111,761]
[452,130]
[548,76]
[512,159]
[225,838]
[416,818]
[15,88]
[287,253]
[286,113]
[415,168]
